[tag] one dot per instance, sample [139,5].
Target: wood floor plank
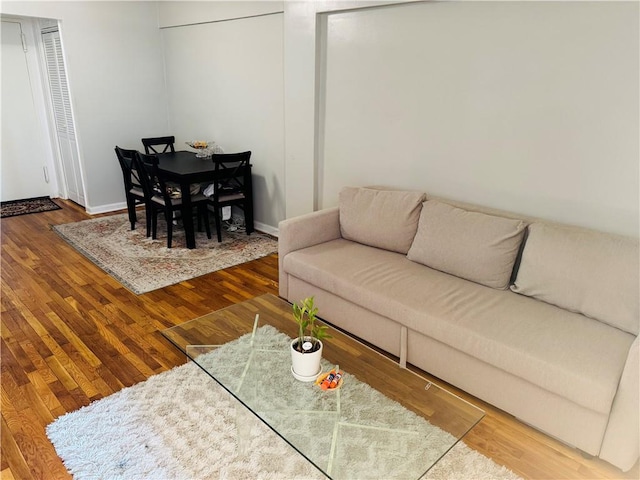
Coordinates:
[71,334]
[73,339]
[61,373]
[43,390]
[14,464]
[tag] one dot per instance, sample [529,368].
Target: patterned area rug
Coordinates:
[142,264]
[182,425]
[29,205]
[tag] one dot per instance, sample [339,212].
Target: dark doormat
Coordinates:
[13,208]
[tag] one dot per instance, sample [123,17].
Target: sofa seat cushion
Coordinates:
[566,353]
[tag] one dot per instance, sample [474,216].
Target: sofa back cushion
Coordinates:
[385,219]
[584,271]
[471,245]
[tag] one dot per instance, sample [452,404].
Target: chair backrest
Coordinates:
[129,170]
[229,172]
[165,142]
[147,165]
[156,184]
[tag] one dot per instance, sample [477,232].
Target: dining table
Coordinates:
[185,168]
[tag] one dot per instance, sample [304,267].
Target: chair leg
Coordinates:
[154,223]
[217,217]
[248,215]
[203,213]
[169,217]
[150,211]
[131,209]
[207,227]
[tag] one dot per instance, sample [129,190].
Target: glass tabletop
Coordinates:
[383,422]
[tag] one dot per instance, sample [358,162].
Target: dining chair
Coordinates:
[165,199]
[166,142]
[133,190]
[231,187]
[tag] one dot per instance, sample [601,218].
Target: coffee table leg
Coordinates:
[244,421]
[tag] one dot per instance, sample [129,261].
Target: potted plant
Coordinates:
[306,348]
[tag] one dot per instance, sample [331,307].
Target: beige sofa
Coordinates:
[538,319]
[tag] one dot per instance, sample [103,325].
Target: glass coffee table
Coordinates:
[383,422]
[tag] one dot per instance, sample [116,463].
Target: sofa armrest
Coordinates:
[305,231]
[621,443]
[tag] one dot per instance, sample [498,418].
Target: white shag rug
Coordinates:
[181,424]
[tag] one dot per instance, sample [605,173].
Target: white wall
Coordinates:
[181,13]
[536,108]
[524,106]
[116,78]
[225,83]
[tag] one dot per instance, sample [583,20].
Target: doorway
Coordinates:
[24,170]
[39,155]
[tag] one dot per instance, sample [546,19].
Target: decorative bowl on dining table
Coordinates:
[204,149]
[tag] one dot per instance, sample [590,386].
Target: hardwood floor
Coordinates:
[71,334]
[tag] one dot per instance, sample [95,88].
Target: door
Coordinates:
[63,114]
[23,167]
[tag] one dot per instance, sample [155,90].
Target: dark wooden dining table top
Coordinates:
[183,164]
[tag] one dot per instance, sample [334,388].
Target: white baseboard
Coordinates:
[263,227]
[107,208]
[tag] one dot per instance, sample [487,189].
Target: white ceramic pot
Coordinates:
[305,366]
